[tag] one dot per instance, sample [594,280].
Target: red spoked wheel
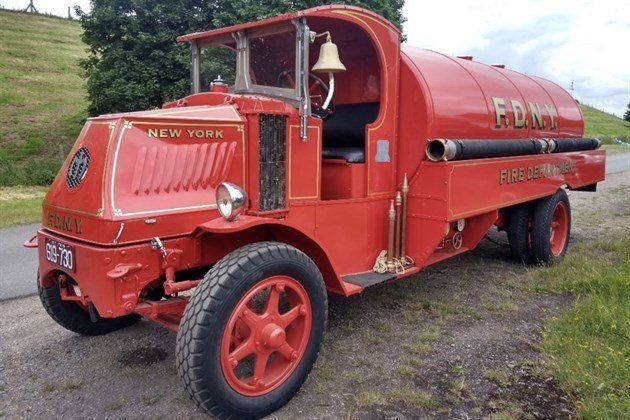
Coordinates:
[252,330]
[261,347]
[558,231]
[551,228]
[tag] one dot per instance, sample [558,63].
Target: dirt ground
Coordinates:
[458,340]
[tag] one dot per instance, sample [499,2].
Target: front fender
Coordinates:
[282,231]
[220,225]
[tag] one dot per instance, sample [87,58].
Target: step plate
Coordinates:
[368,279]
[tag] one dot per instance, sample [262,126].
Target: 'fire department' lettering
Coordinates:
[175,133]
[522,118]
[67,223]
[545,170]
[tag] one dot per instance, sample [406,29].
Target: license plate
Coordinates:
[60,254]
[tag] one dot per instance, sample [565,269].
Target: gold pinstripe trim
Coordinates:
[319,162]
[129,125]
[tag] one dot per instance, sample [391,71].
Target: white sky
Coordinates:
[579,41]
[54,7]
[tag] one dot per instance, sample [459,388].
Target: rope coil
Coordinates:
[380,265]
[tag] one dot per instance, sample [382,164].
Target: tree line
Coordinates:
[134,61]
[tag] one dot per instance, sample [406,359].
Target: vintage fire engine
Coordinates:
[230,215]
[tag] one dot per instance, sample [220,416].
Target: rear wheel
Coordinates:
[73,315]
[252,331]
[518,230]
[551,228]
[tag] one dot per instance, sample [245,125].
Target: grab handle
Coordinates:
[32,242]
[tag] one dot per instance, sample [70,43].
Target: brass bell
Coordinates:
[328,61]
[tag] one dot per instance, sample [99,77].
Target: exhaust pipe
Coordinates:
[442,150]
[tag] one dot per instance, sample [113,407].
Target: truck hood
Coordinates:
[146,167]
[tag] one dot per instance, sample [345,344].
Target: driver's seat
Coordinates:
[344,131]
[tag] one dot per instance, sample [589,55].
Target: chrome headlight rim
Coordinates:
[230,200]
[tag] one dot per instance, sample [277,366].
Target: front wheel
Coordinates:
[551,228]
[73,315]
[252,331]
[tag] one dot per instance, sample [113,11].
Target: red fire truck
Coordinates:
[229,215]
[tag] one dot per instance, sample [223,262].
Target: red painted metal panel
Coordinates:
[179,187]
[507,181]
[459,99]
[304,176]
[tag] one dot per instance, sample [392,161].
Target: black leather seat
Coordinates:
[344,131]
[350,154]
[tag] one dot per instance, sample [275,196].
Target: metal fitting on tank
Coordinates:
[550,145]
[440,150]
[544,144]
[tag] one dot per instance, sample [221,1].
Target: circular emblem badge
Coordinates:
[78,167]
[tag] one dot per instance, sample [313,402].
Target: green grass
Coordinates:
[587,347]
[407,396]
[42,95]
[20,205]
[604,126]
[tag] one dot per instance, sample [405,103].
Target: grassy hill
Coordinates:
[603,125]
[42,97]
[42,104]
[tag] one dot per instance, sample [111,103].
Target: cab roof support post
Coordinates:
[242,81]
[302,41]
[195,67]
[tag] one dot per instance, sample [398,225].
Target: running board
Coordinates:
[368,279]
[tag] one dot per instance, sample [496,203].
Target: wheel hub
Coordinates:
[260,349]
[273,336]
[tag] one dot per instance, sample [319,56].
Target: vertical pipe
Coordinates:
[195,68]
[405,190]
[397,240]
[390,241]
[301,74]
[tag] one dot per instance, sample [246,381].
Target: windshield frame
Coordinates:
[298,96]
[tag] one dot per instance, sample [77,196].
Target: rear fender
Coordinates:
[250,229]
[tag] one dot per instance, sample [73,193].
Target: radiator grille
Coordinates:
[78,167]
[272,156]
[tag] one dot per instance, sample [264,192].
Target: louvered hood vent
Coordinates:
[272,158]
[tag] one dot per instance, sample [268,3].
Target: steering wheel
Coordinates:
[317,92]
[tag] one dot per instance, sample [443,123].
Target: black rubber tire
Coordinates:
[72,317]
[541,228]
[201,328]
[518,231]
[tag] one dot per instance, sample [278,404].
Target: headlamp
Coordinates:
[230,200]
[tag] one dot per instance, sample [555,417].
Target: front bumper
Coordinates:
[112,278]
